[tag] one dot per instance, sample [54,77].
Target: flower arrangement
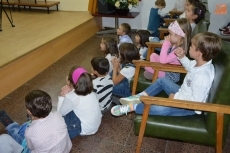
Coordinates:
[123,4]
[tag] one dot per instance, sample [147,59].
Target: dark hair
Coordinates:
[128,53]
[144,37]
[160,3]
[186,28]
[126,28]
[39,103]
[84,85]
[111,46]
[199,9]
[209,44]
[100,64]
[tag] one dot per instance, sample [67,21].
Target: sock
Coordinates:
[5,119]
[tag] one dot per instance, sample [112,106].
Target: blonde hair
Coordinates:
[186,28]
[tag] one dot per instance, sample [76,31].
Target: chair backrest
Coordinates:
[219,92]
[202,26]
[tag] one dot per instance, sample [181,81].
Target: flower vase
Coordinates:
[122,11]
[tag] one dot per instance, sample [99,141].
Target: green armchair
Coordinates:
[209,128]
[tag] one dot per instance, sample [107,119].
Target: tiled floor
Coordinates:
[115,134]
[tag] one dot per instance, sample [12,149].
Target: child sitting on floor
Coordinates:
[102,84]
[78,104]
[123,31]
[47,131]
[122,76]
[109,46]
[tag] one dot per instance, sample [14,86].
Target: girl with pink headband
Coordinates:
[179,36]
[78,104]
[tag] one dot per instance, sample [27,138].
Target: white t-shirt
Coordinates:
[110,57]
[9,145]
[86,109]
[103,87]
[193,25]
[142,51]
[197,82]
[128,72]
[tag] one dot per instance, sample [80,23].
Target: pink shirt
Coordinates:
[164,58]
[48,135]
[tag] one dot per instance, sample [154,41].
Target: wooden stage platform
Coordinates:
[37,41]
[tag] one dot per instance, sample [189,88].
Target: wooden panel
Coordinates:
[22,69]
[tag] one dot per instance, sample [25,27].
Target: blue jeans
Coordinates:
[73,124]
[122,89]
[169,87]
[17,131]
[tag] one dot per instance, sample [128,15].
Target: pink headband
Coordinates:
[174,27]
[77,73]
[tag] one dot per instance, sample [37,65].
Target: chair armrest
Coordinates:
[175,13]
[163,31]
[168,21]
[151,48]
[157,67]
[217,108]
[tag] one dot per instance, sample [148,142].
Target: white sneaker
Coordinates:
[135,99]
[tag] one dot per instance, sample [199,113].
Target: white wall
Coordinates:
[216,20]
[141,21]
[73,5]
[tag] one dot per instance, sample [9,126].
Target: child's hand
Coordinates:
[180,52]
[167,38]
[116,63]
[64,90]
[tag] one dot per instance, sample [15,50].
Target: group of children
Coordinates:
[87,96]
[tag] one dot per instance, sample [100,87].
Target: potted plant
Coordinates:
[122,7]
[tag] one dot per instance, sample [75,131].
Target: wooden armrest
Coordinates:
[151,48]
[220,110]
[168,21]
[157,67]
[163,31]
[175,13]
[209,107]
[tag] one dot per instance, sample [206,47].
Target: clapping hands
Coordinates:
[64,90]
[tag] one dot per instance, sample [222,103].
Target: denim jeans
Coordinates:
[169,87]
[122,89]
[73,124]
[17,131]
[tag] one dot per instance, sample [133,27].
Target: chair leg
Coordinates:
[219,132]
[142,128]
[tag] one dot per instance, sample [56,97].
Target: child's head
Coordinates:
[195,11]
[128,53]
[109,46]
[180,33]
[38,103]
[124,29]
[100,65]
[160,4]
[207,43]
[142,37]
[80,80]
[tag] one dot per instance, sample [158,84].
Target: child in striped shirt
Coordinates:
[103,84]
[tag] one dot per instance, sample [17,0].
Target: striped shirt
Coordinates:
[103,87]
